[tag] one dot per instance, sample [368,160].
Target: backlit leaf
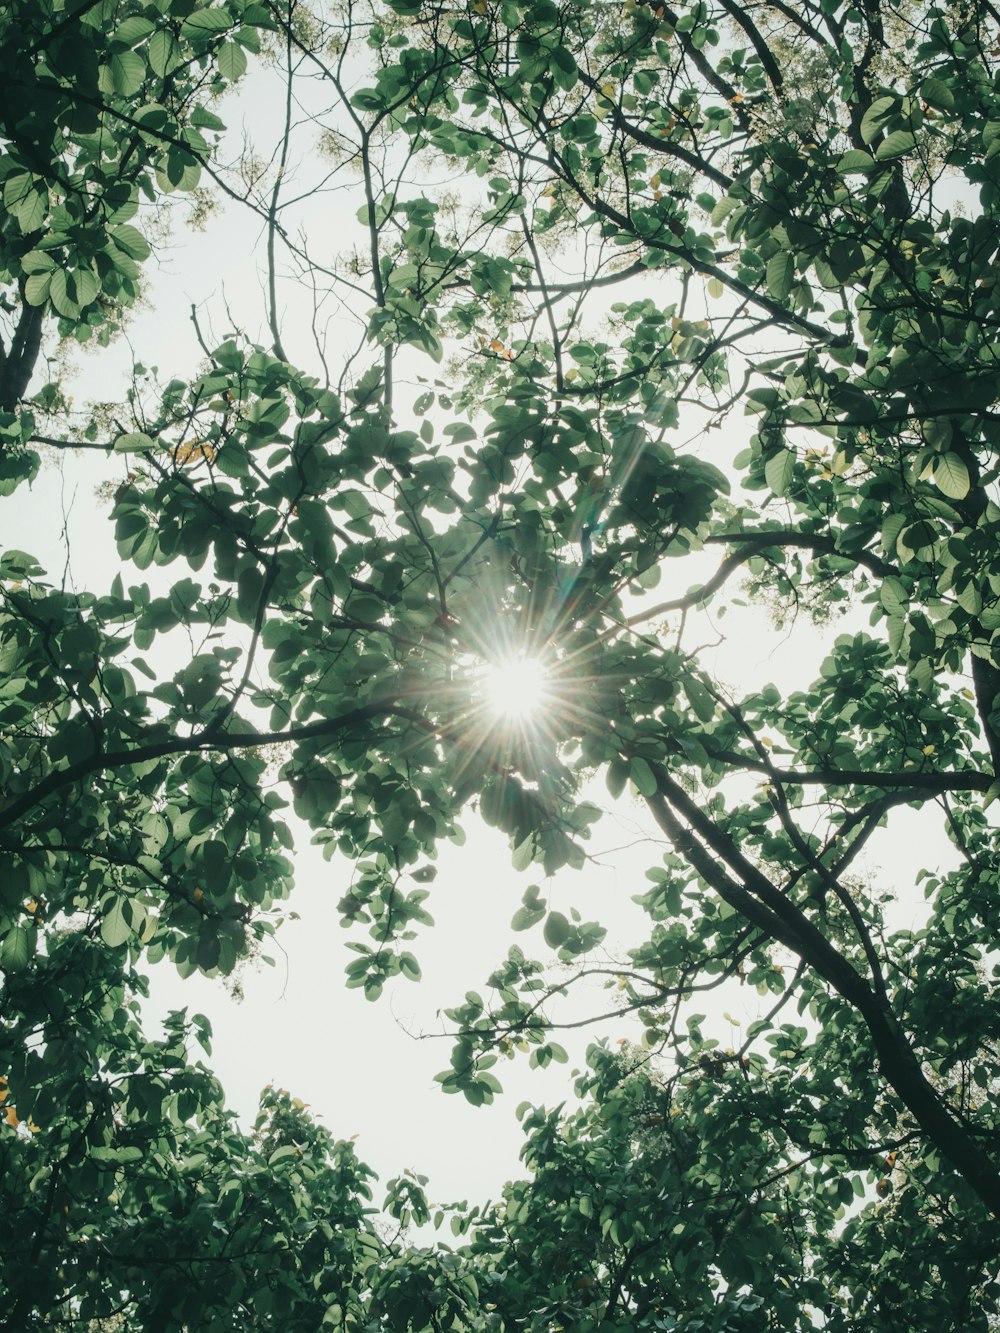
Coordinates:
[951,476]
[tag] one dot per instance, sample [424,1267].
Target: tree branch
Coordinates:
[221,741]
[762,903]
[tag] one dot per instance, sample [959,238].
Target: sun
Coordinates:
[516,688]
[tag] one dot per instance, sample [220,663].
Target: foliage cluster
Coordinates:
[777,222]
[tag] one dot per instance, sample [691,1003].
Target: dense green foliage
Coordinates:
[724,279]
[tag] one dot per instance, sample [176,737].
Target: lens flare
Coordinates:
[516,688]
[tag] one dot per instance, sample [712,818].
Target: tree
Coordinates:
[667,222]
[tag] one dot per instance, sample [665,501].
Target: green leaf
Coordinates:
[204,23]
[87,286]
[37,261]
[922,674]
[893,594]
[116,924]
[700,698]
[131,240]
[526,917]
[531,911]
[232,61]
[283,1154]
[556,930]
[163,52]
[115,1156]
[409,967]
[128,70]
[60,297]
[855,160]
[779,471]
[524,853]
[937,92]
[722,209]
[206,119]
[642,775]
[250,585]
[616,777]
[876,116]
[36,289]
[895,145]
[15,951]
[951,476]
[564,70]
[132,31]
[970,599]
[133,442]
[780,274]
[28,200]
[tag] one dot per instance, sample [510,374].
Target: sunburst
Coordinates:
[516,688]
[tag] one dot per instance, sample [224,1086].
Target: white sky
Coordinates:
[356,1063]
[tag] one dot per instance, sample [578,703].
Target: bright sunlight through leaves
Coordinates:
[516,687]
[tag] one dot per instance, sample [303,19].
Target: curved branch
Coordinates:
[665,146]
[809,541]
[714,855]
[782,316]
[751,544]
[770,66]
[913,784]
[220,741]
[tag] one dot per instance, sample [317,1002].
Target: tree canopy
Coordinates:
[623,287]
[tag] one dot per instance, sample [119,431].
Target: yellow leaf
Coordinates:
[928,749]
[194,452]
